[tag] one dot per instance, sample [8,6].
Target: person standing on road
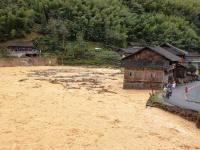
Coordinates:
[186,89]
[174,85]
[164,90]
[169,90]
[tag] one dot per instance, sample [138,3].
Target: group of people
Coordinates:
[168,89]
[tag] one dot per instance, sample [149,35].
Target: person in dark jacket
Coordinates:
[169,90]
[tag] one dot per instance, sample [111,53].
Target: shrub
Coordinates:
[3,53]
[192,69]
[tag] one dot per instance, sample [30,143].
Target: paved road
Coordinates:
[188,101]
[194,94]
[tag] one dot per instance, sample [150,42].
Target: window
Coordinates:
[131,74]
[153,75]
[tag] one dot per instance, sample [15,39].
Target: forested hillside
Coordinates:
[112,22]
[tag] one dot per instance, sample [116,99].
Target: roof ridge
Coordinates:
[168,53]
[180,50]
[163,52]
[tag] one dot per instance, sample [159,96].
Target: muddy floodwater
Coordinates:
[80,108]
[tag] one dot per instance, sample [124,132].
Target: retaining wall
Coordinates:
[185,113]
[37,61]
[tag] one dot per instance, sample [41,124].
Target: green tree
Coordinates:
[192,69]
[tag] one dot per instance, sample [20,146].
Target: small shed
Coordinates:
[22,49]
[148,67]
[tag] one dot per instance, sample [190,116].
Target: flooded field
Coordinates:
[60,108]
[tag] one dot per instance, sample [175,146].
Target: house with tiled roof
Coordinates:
[148,67]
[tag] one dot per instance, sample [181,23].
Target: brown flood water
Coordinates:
[76,108]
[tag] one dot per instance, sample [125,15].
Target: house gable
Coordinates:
[146,58]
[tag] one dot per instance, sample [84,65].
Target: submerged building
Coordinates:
[148,67]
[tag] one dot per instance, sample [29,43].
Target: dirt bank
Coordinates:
[83,108]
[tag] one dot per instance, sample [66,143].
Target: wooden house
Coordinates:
[148,67]
[176,51]
[180,73]
[187,58]
[194,59]
[22,49]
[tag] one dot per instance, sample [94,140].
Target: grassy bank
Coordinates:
[95,57]
[3,53]
[80,53]
[77,52]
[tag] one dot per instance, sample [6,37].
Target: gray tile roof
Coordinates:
[192,58]
[21,44]
[173,49]
[159,50]
[130,50]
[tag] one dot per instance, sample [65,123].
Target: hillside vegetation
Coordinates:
[112,22]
